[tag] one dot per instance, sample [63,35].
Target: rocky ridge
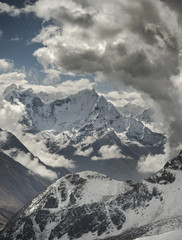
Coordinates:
[92,206]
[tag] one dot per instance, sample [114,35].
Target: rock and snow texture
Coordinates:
[83,127]
[174,235]
[91,206]
[138,112]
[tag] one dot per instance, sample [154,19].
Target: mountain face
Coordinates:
[89,130]
[137,112]
[14,148]
[92,206]
[19,185]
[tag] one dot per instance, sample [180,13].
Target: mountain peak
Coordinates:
[175,163]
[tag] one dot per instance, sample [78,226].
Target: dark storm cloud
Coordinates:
[175,5]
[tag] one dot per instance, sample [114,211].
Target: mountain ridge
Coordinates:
[76,125]
[92,206]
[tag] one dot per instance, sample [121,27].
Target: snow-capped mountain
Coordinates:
[91,206]
[89,130]
[138,112]
[21,175]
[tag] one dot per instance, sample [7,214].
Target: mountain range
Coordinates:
[87,129]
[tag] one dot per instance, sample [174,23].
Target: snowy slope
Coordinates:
[174,235]
[138,112]
[80,125]
[91,206]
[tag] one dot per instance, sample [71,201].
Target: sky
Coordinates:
[130,51]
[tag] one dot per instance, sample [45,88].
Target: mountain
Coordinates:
[89,130]
[89,205]
[138,112]
[14,148]
[19,185]
[174,235]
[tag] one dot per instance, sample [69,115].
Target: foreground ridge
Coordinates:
[89,205]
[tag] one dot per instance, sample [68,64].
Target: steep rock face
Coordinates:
[80,125]
[13,147]
[19,185]
[89,205]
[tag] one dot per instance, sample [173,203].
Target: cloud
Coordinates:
[85,153]
[1,33]
[153,163]
[33,164]
[108,152]
[7,79]
[5,65]
[135,44]
[15,39]
[3,136]
[11,116]
[37,146]
[11,10]
[121,98]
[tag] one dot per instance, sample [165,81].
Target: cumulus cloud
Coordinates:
[108,152]
[153,163]
[5,65]
[85,153]
[11,116]
[11,10]
[33,164]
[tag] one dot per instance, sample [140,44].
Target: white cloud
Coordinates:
[85,153]
[32,164]
[3,136]
[65,88]
[11,115]
[5,65]
[7,79]
[11,10]
[108,152]
[37,147]
[121,98]
[153,163]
